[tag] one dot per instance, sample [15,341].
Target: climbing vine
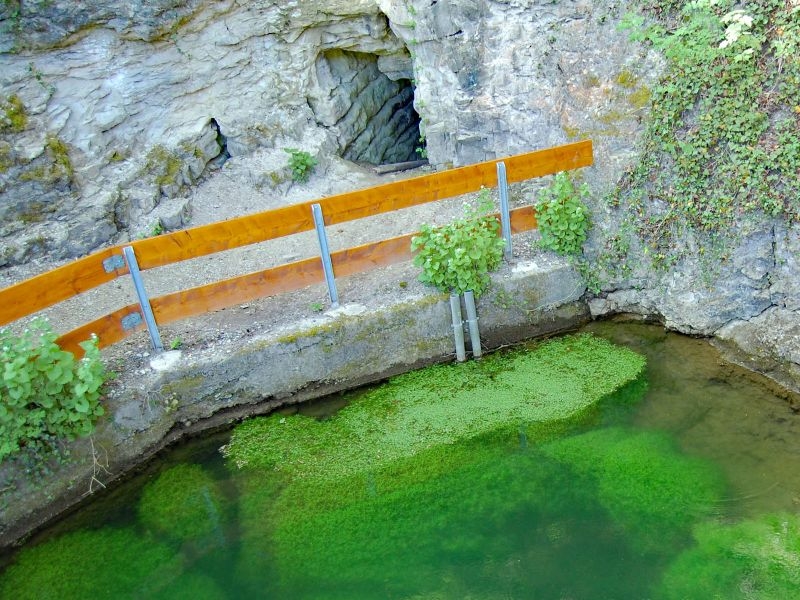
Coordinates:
[723,138]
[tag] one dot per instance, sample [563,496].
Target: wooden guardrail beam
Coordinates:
[37,293]
[285,278]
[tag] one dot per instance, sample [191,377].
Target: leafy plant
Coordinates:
[316,306]
[722,140]
[176,343]
[562,215]
[46,393]
[301,163]
[458,257]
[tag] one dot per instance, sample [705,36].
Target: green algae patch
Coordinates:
[439,405]
[103,563]
[192,587]
[402,527]
[752,560]
[183,503]
[650,489]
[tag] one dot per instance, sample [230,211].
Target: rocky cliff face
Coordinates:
[125,104]
[111,110]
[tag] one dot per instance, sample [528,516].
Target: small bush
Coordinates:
[563,217]
[46,393]
[458,257]
[301,163]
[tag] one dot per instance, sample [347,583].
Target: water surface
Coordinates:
[691,491]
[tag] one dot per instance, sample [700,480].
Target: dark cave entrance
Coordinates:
[368,102]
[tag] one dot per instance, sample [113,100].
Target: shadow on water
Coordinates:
[635,500]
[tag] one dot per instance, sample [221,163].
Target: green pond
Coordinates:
[566,469]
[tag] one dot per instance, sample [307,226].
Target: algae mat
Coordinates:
[556,381]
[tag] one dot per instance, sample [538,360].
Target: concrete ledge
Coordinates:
[185,394]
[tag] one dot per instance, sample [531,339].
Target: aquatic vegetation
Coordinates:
[403,477]
[399,536]
[183,502]
[191,587]
[752,560]
[439,405]
[102,563]
[655,493]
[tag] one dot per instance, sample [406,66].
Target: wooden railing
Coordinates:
[35,294]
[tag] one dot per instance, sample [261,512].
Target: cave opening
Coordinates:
[367,101]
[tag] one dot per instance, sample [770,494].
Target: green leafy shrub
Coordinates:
[46,392]
[183,502]
[458,257]
[562,215]
[301,163]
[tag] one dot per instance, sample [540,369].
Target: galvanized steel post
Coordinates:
[144,301]
[505,213]
[458,326]
[472,322]
[325,253]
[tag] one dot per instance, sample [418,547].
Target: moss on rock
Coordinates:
[13,116]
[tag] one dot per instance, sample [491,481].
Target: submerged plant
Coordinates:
[439,405]
[102,563]
[428,456]
[183,503]
[650,489]
[756,559]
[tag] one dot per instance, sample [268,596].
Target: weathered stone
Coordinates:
[768,343]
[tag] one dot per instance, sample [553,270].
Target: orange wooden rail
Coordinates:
[37,293]
[278,280]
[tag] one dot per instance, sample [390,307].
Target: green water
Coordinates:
[692,491]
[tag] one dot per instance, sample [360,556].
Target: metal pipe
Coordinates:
[144,301]
[472,322]
[458,327]
[325,254]
[505,213]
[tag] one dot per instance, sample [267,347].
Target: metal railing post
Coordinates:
[472,321]
[505,216]
[325,253]
[458,326]
[144,300]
